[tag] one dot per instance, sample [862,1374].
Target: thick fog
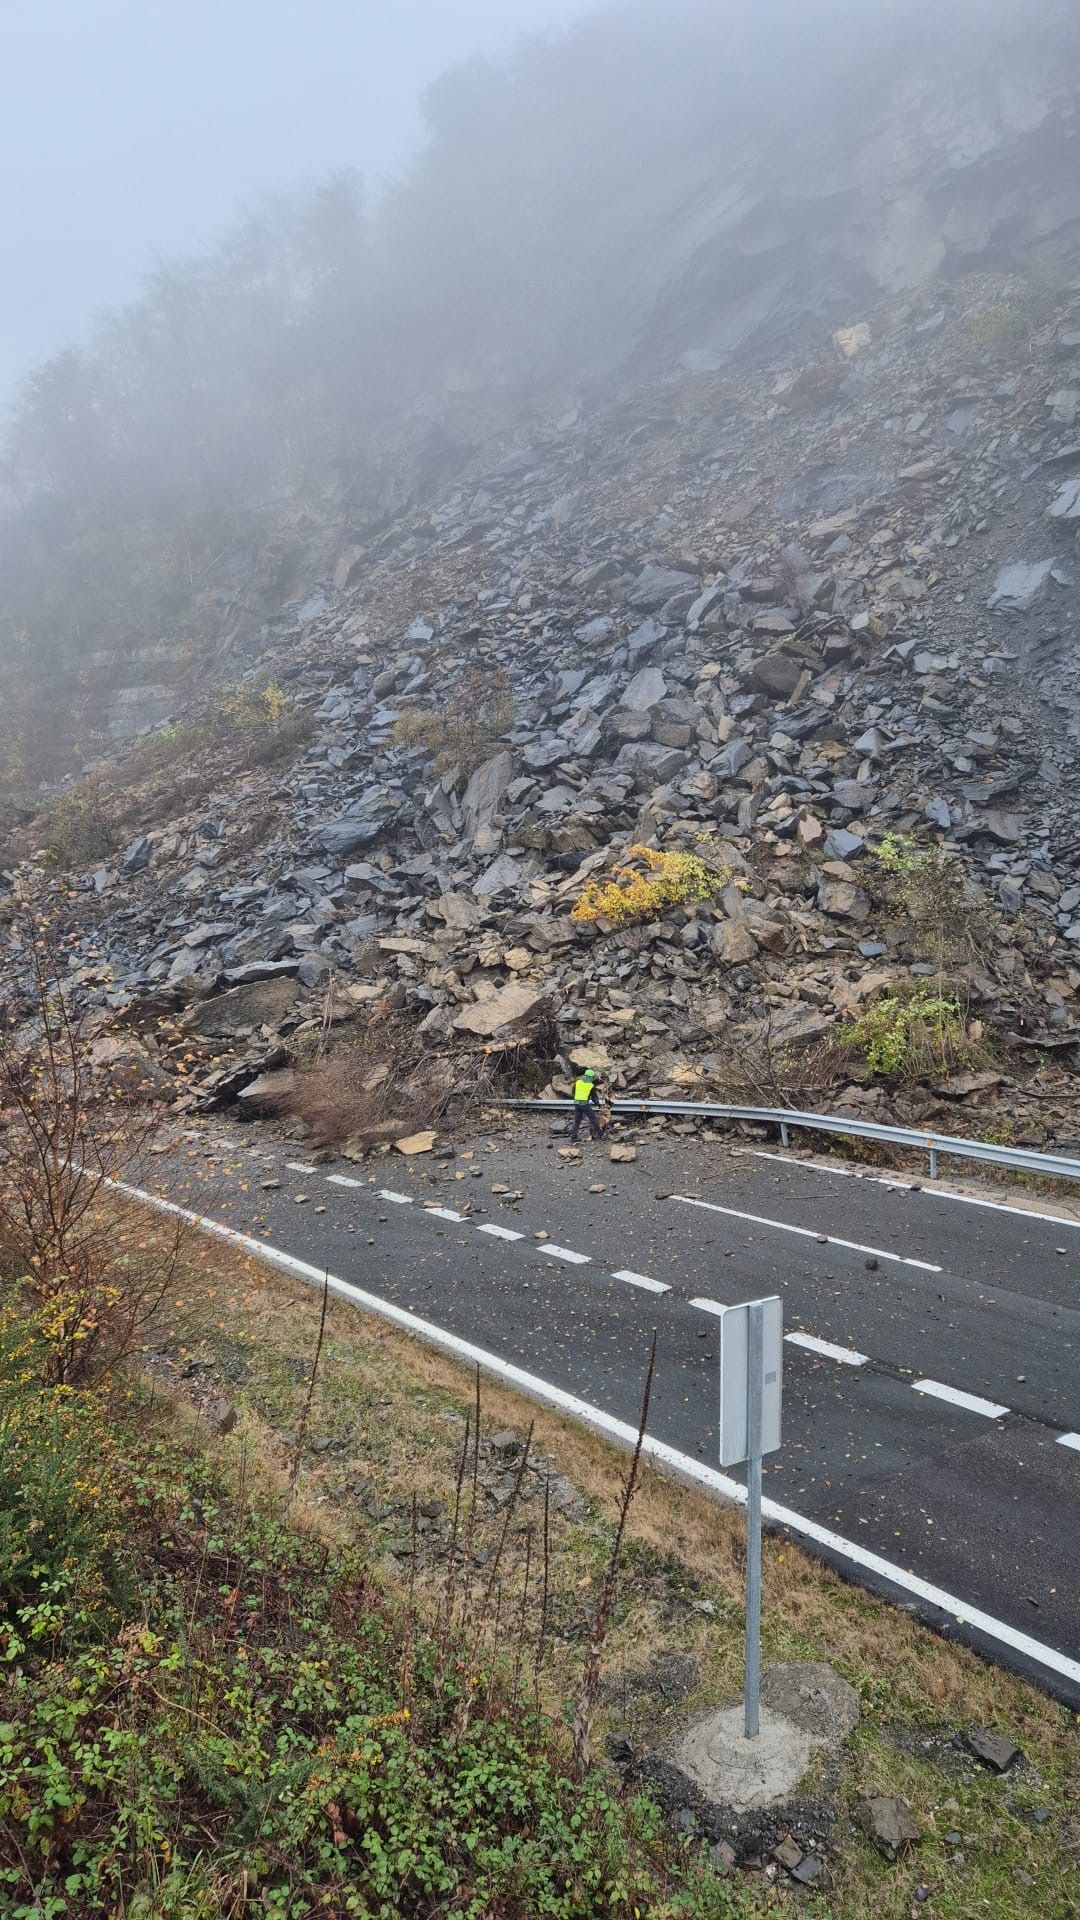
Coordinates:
[131,129]
[653,185]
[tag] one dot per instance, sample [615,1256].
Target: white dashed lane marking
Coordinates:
[828,1350]
[298,1166]
[847,1356]
[970,1402]
[1069,1440]
[642,1280]
[806,1233]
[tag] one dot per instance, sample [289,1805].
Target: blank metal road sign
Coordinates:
[734,1378]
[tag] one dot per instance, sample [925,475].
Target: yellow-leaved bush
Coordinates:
[645,889]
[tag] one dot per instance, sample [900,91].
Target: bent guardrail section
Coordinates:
[1021,1159]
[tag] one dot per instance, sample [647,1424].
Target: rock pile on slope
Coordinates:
[771,618]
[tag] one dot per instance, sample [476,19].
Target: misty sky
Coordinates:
[131,129]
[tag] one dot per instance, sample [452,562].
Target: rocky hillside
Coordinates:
[813,623]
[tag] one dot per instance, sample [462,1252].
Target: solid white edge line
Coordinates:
[682,1464]
[909,1186]
[564,1253]
[1069,1440]
[643,1280]
[998,1206]
[499,1233]
[970,1402]
[789,1160]
[398,1199]
[847,1356]
[342,1180]
[805,1233]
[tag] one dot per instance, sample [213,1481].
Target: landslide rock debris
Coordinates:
[770,629]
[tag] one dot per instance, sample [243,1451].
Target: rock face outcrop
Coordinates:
[939,153]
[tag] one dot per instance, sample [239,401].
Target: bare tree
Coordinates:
[67,1133]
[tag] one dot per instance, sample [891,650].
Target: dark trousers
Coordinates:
[585,1109]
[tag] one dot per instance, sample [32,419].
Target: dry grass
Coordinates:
[374,1086]
[389,1414]
[464,731]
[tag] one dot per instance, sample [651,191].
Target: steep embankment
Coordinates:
[815,625]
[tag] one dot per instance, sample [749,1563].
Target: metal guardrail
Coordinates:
[1020,1159]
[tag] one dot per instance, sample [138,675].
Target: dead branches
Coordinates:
[66,1133]
[590,1682]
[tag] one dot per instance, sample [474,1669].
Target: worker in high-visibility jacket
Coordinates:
[586,1102]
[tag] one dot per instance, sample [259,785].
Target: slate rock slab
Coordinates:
[890,1824]
[995,1750]
[262,1003]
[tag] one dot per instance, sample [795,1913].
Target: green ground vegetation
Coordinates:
[906,1034]
[249,725]
[209,1707]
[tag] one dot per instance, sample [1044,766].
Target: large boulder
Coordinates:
[510,1007]
[656,584]
[646,690]
[1066,504]
[348,569]
[338,839]
[777,673]
[261,1004]
[483,796]
[651,764]
[1018,587]
[733,943]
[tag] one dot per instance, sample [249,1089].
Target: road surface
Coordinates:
[932,1352]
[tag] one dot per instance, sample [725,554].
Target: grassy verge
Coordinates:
[211,1704]
[380,1453]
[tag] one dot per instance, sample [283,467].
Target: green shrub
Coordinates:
[81,826]
[646,890]
[264,1734]
[1004,327]
[162,748]
[59,1526]
[929,892]
[904,1035]
[260,719]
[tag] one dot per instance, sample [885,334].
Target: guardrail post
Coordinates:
[785,1135]
[933,1163]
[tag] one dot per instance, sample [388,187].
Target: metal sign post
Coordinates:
[752,1681]
[751,1354]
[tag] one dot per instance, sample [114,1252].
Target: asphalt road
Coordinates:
[933,1420]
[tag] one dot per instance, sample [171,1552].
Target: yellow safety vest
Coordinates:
[583,1091]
